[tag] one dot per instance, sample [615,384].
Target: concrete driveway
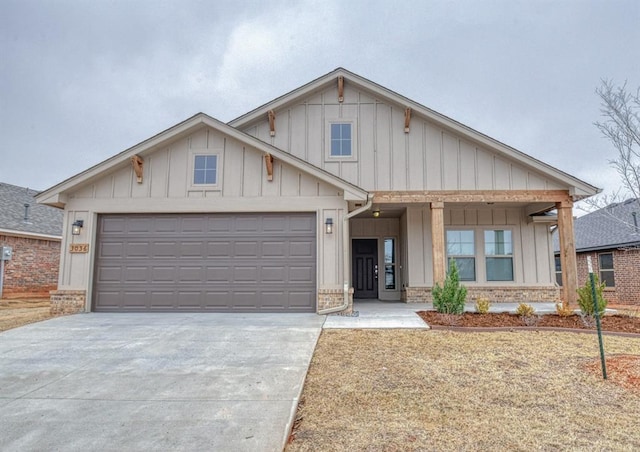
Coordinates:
[154,381]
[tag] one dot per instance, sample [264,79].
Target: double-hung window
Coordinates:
[462,249]
[498,251]
[341,141]
[606,269]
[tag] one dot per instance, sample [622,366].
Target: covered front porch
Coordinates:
[400,246]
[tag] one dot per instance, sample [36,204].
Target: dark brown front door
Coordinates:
[365,268]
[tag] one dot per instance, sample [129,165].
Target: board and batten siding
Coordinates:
[429,157]
[166,188]
[532,245]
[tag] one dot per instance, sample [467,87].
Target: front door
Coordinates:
[365,268]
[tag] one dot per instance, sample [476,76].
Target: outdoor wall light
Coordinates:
[76,227]
[328,226]
[376,213]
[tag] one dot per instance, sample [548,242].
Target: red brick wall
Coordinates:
[33,270]
[626,268]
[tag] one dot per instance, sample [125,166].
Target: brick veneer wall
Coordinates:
[494,294]
[332,298]
[626,271]
[33,269]
[67,301]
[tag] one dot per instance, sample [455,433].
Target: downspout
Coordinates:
[346,255]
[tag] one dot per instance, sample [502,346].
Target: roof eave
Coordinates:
[579,189]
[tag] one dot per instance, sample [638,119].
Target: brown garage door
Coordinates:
[206,262]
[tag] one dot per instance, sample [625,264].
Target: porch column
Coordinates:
[437,243]
[567,253]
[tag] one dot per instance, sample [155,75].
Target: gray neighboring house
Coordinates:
[33,232]
[611,236]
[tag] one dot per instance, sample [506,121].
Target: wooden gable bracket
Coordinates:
[272,123]
[340,88]
[268,161]
[137,163]
[407,119]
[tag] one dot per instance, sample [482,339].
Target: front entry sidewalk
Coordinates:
[395,314]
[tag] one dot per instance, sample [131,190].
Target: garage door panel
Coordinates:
[273,249]
[208,262]
[302,274]
[246,249]
[302,249]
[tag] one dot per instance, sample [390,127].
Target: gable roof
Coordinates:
[610,227]
[578,188]
[40,220]
[56,195]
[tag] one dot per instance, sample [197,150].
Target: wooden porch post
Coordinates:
[437,243]
[568,260]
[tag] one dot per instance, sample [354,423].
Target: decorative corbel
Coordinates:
[137,163]
[272,123]
[268,161]
[340,88]
[407,119]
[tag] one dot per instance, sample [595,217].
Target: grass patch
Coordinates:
[403,390]
[16,313]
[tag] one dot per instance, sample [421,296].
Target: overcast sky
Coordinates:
[81,80]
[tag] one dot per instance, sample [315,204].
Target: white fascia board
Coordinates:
[30,235]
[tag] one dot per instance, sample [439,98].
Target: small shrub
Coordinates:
[585,297]
[588,320]
[563,310]
[527,314]
[482,305]
[449,299]
[450,319]
[525,310]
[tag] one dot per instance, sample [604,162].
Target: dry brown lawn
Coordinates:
[410,390]
[15,313]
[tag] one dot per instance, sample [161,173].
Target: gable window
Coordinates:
[498,250]
[605,261]
[205,170]
[341,140]
[461,248]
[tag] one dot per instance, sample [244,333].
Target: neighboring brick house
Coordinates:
[611,236]
[33,231]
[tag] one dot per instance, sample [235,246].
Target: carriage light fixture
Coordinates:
[76,227]
[328,226]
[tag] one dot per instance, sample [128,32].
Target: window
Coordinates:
[340,140]
[390,264]
[461,248]
[558,271]
[205,170]
[606,269]
[498,251]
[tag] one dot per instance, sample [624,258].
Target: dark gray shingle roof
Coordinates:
[41,219]
[610,227]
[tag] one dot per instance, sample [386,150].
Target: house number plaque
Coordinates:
[79,248]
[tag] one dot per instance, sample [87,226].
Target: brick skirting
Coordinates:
[67,301]
[332,298]
[494,294]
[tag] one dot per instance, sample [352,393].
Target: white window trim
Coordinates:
[191,168]
[396,265]
[612,270]
[480,256]
[354,141]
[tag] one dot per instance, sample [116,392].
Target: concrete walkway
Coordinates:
[394,314]
[154,381]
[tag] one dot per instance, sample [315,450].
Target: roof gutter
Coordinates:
[346,255]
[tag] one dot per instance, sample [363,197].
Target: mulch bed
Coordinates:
[613,323]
